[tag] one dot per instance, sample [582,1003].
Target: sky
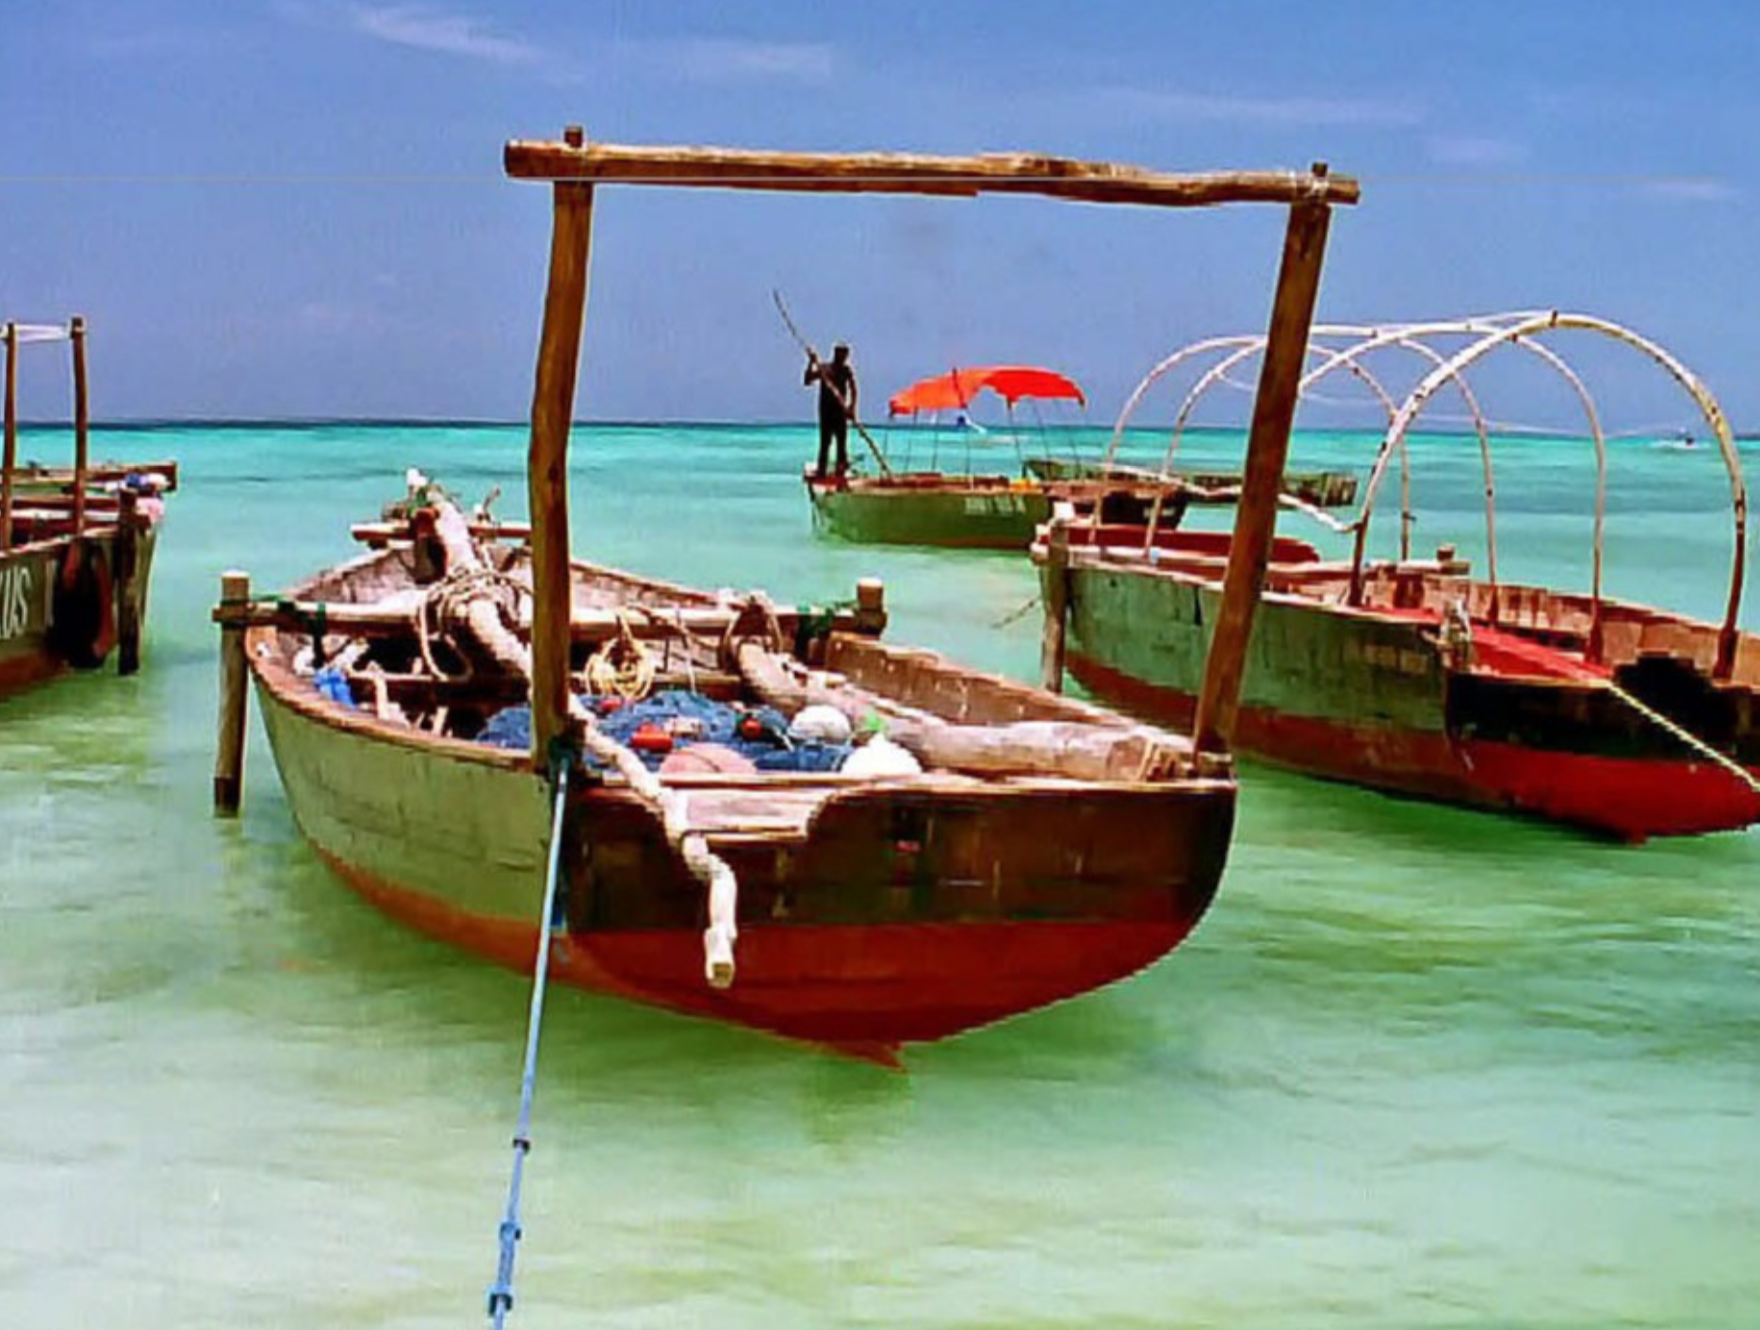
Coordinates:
[272,209]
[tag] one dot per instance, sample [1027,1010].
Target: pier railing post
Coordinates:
[235,592]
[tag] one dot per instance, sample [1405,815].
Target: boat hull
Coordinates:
[902,913]
[31,595]
[954,511]
[1366,697]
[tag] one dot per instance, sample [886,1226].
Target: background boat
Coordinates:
[1410,675]
[76,542]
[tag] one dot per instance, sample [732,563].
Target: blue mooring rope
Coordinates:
[501,1291]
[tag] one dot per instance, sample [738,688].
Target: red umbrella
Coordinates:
[958,387]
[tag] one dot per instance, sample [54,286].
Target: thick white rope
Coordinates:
[1686,736]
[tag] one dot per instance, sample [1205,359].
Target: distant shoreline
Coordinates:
[421,422]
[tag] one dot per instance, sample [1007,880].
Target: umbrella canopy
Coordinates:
[957,388]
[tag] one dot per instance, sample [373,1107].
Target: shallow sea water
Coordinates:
[1418,1066]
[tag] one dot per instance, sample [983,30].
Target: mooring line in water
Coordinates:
[501,1291]
[1685,736]
[1013,615]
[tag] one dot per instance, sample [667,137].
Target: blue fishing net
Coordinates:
[690,718]
[332,683]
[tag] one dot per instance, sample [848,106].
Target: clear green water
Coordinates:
[1419,1066]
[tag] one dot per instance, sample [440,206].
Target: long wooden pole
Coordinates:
[9,459]
[81,423]
[565,305]
[914,173]
[1274,408]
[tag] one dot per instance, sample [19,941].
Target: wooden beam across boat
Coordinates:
[377,535]
[32,477]
[346,618]
[913,173]
[574,167]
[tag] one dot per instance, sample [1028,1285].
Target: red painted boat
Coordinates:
[76,543]
[1006,849]
[1411,675]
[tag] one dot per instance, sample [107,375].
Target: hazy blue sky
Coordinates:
[272,208]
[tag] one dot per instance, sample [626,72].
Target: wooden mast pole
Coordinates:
[81,423]
[565,304]
[9,459]
[1274,407]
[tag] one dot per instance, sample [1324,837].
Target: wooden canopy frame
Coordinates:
[13,336]
[574,167]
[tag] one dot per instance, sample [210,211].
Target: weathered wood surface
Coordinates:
[9,455]
[565,311]
[1071,749]
[378,535]
[1274,406]
[33,477]
[386,618]
[81,424]
[235,590]
[912,173]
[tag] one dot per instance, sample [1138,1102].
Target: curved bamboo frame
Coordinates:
[1489,332]
[1520,330]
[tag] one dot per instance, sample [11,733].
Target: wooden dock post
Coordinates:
[235,590]
[126,572]
[1054,584]
[870,617]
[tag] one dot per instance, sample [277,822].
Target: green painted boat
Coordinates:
[1411,675]
[929,508]
[1322,489]
[1046,847]
[1003,848]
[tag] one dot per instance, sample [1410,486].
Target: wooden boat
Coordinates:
[968,509]
[1320,489]
[1048,846]
[1412,675]
[76,543]
[1041,847]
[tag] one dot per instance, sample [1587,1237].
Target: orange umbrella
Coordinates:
[957,388]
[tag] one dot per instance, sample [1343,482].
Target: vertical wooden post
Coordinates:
[870,616]
[125,570]
[1274,408]
[9,459]
[81,423]
[235,591]
[565,304]
[1054,593]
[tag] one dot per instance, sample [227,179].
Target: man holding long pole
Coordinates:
[837,404]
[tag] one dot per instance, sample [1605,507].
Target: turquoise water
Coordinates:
[1419,1066]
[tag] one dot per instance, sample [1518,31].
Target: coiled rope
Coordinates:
[621,667]
[706,866]
[482,600]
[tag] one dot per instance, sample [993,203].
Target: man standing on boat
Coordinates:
[837,404]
